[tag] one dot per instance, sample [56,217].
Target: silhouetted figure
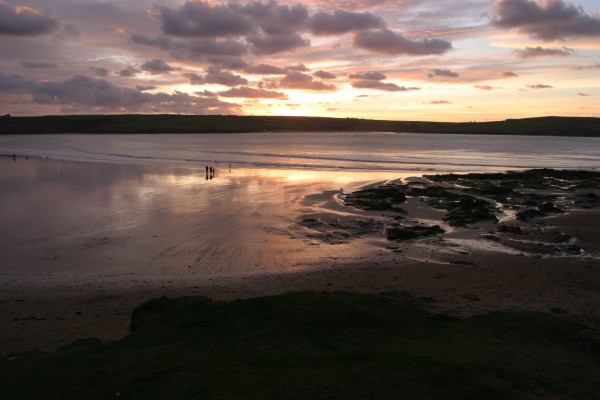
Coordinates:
[229,167]
[14,157]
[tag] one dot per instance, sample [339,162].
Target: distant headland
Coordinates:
[173,123]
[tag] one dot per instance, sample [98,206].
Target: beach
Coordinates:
[86,242]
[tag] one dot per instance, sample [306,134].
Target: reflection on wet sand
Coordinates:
[66,220]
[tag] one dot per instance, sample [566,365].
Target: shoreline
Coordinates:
[456,275]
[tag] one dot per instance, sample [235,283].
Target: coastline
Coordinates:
[168,123]
[462,276]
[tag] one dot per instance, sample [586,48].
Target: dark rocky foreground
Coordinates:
[317,346]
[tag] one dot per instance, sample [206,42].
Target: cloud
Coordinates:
[485,87]
[24,21]
[201,19]
[197,48]
[143,88]
[531,52]
[82,93]
[156,66]
[84,90]
[298,80]
[324,75]
[15,84]
[377,85]
[214,75]
[370,75]
[264,69]
[128,71]
[297,67]
[446,73]
[583,94]
[509,74]
[273,18]
[266,45]
[269,27]
[387,42]
[372,80]
[37,65]
[593,66]
[341,22]
[540,86]
[100,71]
[251,93]
[546,20]
[195,79]
[435,102]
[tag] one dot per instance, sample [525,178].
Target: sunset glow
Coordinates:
[463,60]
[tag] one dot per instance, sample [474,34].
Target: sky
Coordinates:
[455,60]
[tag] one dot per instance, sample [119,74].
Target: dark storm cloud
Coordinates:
[264,69]
[446,73]
[298,80]
[24,21]
[324,75]
[37,65]
[548,20]
[378,85]
[540,86]
[387,42]
[251,93]
[370,75]
[82,93]
[341,22]
[532,52]
[214,75]
[156,67]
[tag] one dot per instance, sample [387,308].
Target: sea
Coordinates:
[339,151]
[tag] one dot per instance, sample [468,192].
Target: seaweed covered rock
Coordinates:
[461,209]
[381,198]
[413,232]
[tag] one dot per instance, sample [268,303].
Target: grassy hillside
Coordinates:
[163,123]
[315,346]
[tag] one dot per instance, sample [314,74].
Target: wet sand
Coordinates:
[80,268]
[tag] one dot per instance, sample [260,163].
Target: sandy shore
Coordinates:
[460,274]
